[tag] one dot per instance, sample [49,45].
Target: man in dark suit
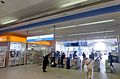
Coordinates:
[45,62]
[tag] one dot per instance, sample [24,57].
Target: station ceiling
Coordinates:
[25,12]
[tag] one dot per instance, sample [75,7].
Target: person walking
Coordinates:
[92,55]
[88,67]
[75,54]
[84,55]
[62,59]
[110,59]
[45,62]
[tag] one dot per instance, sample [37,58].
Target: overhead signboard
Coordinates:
[71,44]
[40,38]
[75,44]
[83,43]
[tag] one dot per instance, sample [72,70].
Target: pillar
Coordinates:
[54,38]
[7,55]
[25,55]
[118,40]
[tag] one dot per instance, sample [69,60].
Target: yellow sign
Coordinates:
[10,38]
[17,39]
[41,43]
[3,38]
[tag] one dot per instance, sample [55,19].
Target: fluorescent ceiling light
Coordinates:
[98,22]
[35,31]
[86,24]
[8,21]
[92,33]
[72,2]
[109,31]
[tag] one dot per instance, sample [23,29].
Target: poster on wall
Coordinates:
[15,46]
[12,54]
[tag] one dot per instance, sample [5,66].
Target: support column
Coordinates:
[54,38]
[25,55]
[7,53]
[118,40]
[26,51]
[7,59]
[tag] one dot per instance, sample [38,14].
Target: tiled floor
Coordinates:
[35,72]
[117,67]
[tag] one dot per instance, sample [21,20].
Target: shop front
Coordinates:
[12,49]
[36,51]
[16,53]
[38,46]
[3,51]
[18,50]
